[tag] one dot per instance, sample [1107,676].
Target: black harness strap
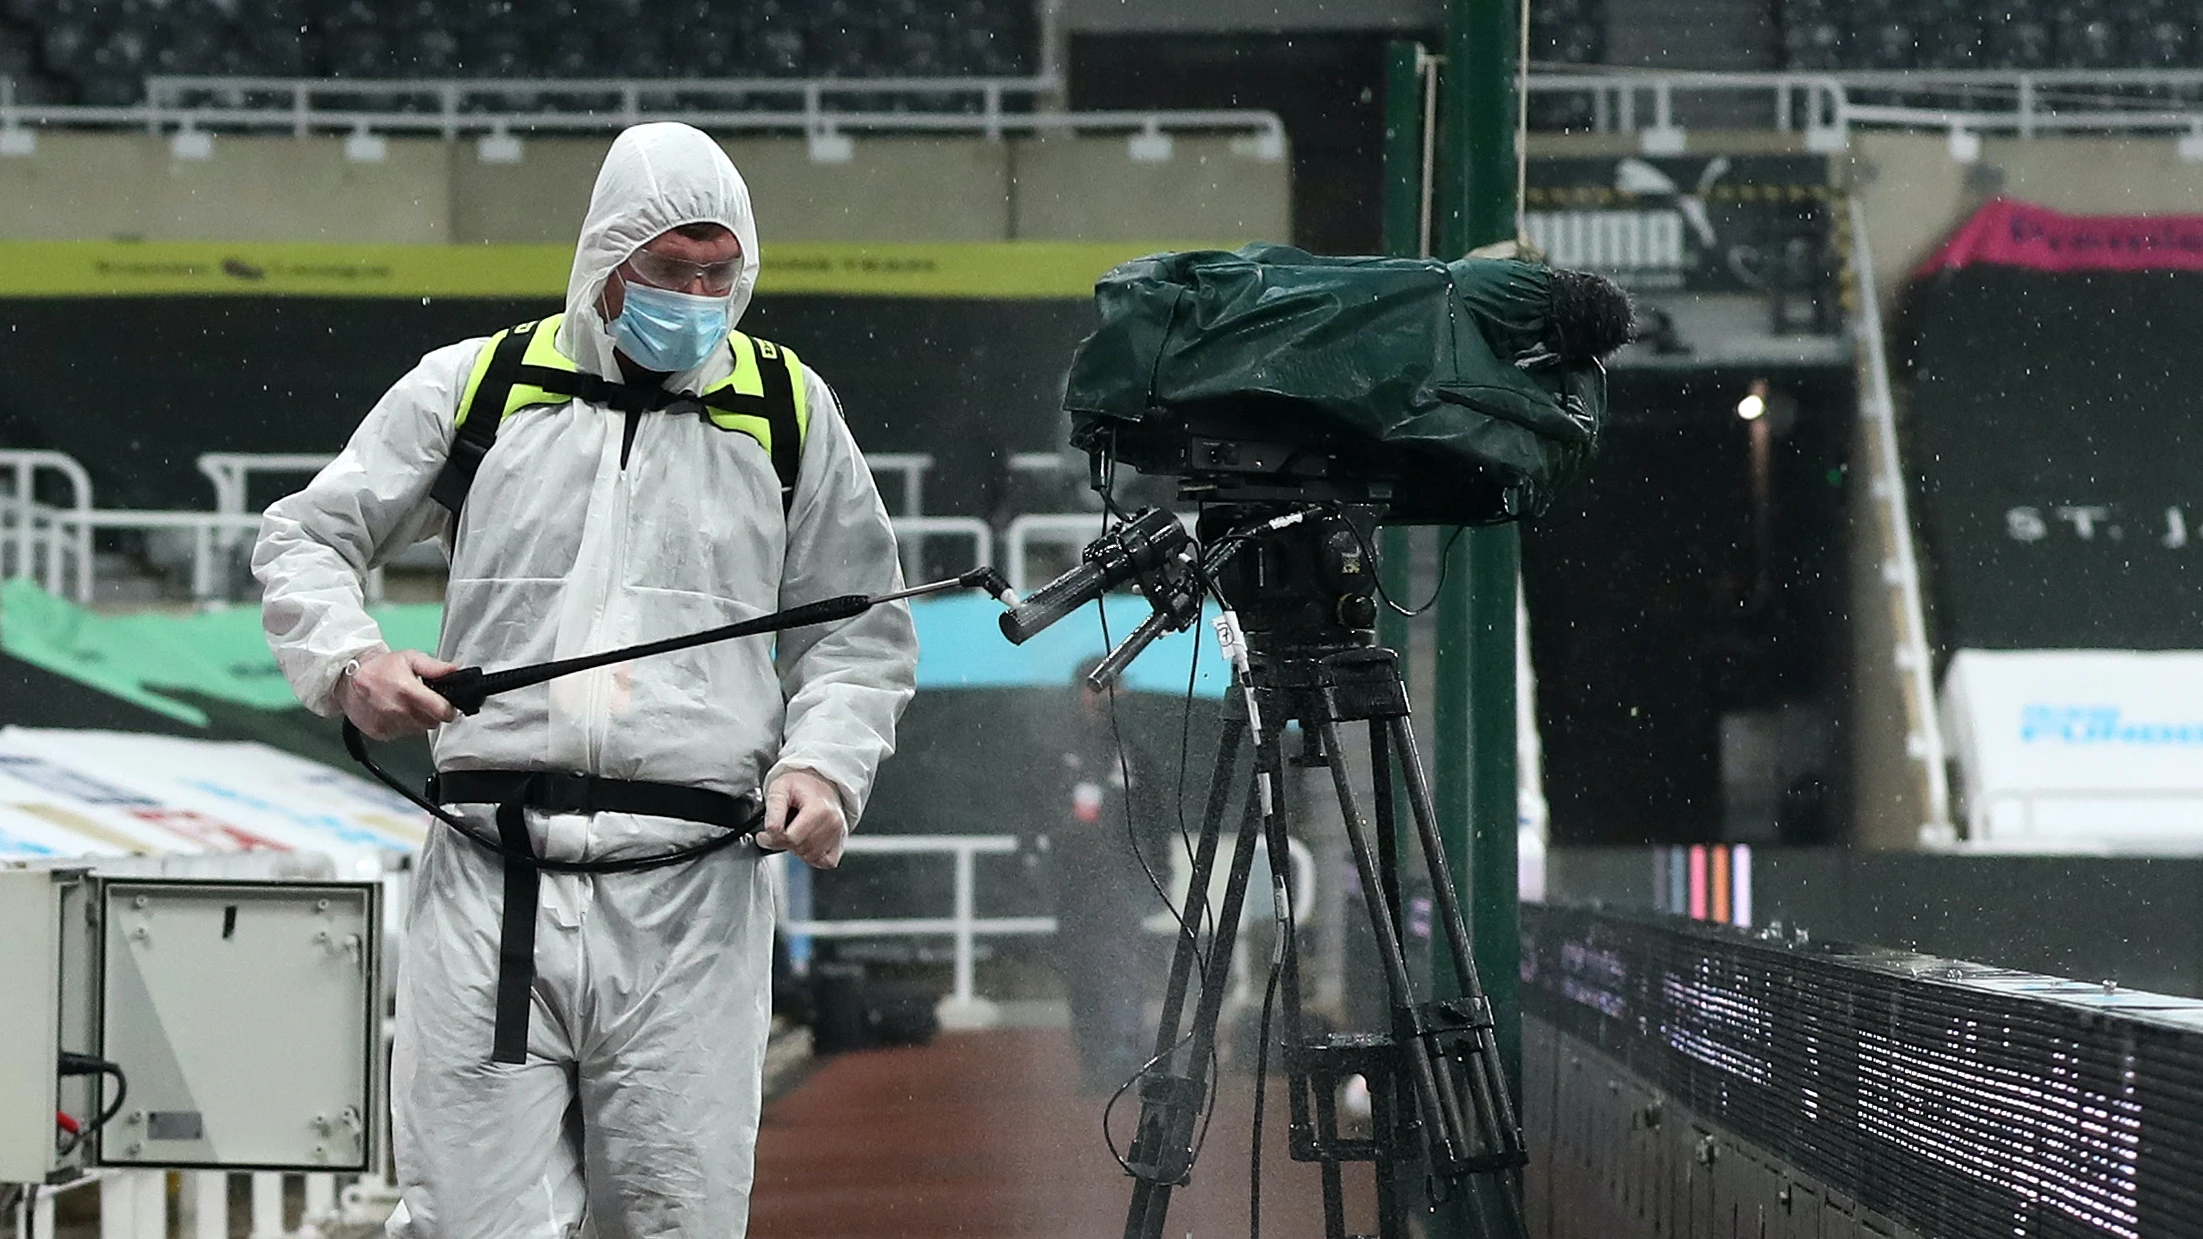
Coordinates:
[777,405]
[780,414]
[485,412]
[479,421]
[516,937]
[624,397]
[514,792]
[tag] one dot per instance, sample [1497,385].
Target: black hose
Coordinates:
[75,1064]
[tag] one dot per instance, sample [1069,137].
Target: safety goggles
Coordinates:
[679,274]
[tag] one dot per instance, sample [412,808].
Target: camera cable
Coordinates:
[1186,928]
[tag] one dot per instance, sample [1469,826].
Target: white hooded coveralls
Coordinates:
[639,1101]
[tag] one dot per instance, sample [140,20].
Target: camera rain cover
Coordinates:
[1431,377]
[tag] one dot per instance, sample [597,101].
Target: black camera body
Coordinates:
[1260,451]
[1307,584]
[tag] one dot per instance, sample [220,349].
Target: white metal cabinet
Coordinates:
[244,1019]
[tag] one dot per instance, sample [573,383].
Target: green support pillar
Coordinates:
[1403,224]
[1475,671]
[1473,712]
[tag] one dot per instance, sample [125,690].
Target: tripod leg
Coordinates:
[1326,1091]
[1434,855]
[1496,1105]
[1197,888]
[1387,823]
[1432,1088]
[1386,1124]
[1277,844]
[1170,1106]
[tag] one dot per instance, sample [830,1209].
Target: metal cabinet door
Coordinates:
[246,1018]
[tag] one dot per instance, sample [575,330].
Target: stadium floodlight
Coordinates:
[1149,145]
[499,146]
[366,146]
[191,143]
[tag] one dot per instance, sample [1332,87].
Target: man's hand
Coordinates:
[803,815]
[386,699]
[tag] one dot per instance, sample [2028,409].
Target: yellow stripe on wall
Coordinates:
[995,270]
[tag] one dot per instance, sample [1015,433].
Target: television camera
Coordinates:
[1301,402]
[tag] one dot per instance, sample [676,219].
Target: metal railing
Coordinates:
[1825,107]
[825,110]
[910,468]
[232,473]
[52,543]
[1900,568]
[1073,529]
[963,926]
[40,541]
[913,533]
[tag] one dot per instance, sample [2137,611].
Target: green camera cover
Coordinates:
[1437,374]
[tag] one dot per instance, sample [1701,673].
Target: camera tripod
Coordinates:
[1438,1094]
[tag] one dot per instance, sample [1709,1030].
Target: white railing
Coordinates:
[911,468]
[133,1204]
[232,473]
[39,541]
[203,527]
[1074,529]
[824,110]
[1825,107]
[1900,568]
[963,926]
[912,533]
[53,544]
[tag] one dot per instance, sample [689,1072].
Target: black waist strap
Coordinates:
[554,792]
[516,791]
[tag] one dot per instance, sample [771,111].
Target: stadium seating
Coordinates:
[99,51]
[1565,34]
[2011,34]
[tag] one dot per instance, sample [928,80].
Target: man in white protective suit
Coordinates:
[579,1041]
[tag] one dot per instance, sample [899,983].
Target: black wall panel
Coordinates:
[136,388]
[2054,437]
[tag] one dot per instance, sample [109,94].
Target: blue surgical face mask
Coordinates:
[660,329]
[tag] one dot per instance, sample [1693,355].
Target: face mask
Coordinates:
[663,330]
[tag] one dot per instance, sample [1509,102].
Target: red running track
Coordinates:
[983,1135]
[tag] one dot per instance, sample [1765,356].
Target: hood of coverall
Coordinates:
[655,178]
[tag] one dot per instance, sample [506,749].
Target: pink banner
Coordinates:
[2017,234]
